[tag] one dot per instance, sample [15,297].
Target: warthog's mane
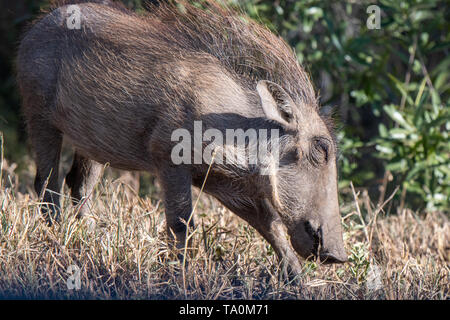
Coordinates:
[245,48]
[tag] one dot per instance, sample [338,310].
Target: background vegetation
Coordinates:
[389,90]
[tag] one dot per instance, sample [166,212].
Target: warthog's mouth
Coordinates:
[316,236]
[324,256]
[302,252]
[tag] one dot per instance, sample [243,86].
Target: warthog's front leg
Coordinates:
[176,185]
[274,231]
[279,239]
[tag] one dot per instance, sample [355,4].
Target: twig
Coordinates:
[355,197]
[408,73]
[425,73]
[379,208]
[386,178]
[188,236]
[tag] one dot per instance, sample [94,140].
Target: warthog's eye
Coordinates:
[319,150]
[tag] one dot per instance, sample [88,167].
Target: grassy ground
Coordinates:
[119,252]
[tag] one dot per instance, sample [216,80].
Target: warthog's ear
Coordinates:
[276,103]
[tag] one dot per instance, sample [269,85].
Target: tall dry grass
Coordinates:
[121,252]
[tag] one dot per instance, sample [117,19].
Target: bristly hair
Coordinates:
[245,48]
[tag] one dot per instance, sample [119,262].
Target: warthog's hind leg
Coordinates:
[81,179]
[46,142]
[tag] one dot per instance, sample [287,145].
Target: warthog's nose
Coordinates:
[325,246]
[328,251]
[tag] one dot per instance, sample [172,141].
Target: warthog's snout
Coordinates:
[327,246]
[332,248]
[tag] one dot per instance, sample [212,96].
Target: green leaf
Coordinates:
[395,115]
[401,87]
[383,131]
[419,94]
[315,12]
[384,149]
[418,166]
[401,166]
[398,133]
[439,121]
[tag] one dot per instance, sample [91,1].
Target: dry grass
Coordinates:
[121,252]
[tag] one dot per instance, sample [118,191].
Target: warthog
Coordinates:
[117,85]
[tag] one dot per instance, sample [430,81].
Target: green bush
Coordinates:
[417,147]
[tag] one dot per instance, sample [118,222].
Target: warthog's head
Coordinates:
[303,186]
